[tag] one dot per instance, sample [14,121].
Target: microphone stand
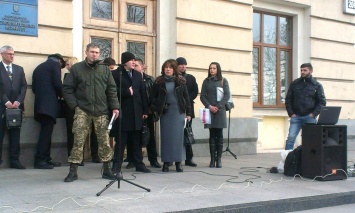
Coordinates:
[231,105]
[119,175]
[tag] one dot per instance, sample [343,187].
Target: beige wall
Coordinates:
[206,34]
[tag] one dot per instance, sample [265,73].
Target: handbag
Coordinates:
[13,118]
[220,93]
[188,135]
[145,133]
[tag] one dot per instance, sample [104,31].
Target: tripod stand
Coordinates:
[229,124]
[119,176]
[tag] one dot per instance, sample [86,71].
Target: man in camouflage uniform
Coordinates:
[90,90]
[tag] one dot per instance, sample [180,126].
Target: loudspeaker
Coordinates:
[324,152]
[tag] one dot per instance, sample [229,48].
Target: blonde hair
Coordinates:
[71,61]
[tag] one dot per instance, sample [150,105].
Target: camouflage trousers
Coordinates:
[81,126]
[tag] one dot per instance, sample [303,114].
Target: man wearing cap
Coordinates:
[47,87]
[14,88]
[134,109]
[90,91]
[192,88]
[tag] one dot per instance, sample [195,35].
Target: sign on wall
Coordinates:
[349,6]
[19,17]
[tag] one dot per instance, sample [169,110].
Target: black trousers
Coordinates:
[151,146]
[45,138]
[14,140]
[69,119]
[189,152]
[132,139]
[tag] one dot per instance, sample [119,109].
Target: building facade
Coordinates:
[260,45]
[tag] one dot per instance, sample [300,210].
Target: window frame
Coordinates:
[145,13]
[261,45]
[102,19]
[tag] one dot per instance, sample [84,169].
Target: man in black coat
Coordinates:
[14,92]
[192,88]
[47,87]
[134,109]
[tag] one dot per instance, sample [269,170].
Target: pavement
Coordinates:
[241,185]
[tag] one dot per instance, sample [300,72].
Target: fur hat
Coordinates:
[60,57]
[127,56]
[181,61]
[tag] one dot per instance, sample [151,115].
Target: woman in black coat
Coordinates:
[171,102]
[216,104]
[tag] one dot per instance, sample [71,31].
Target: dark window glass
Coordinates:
[101,9]
[138,49]
[136,14]
[105,46]
[285,31]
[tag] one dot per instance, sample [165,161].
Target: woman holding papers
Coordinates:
[170,101]
[214,96]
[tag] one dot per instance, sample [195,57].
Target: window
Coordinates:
[105,46]
[138,49]
[101,9]
[136,14]
[272,53]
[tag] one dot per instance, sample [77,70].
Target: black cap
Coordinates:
[109,61]
[127,56]
[181,61]
[60,57]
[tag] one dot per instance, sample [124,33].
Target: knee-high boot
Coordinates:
[213,152]
[219,148]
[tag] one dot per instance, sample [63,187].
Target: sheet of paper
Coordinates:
[111,122]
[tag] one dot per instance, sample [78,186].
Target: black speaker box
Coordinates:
[324,152]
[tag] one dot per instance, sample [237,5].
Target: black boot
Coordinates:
[178,167]
[219,148]
[107,173]
[165,167]
[72,173]
[213,152]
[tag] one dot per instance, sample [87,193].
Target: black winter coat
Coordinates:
[132,107]
[305,96]
[47,87]
[158,96]
[192,88]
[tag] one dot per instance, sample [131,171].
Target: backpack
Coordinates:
[293,162]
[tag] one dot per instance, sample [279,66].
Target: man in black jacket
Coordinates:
[192,88]
[134,109]
[304,100]
[47,87]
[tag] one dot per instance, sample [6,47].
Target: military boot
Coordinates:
[107,173]
[72,173]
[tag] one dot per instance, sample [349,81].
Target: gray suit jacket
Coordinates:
[14,90]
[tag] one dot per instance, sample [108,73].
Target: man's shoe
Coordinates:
[190,163]
[155,164]
[17,165]
[165,167]
[142,169]
[95,159]
[130,165]
[170,164]
[53,163]
[43,165]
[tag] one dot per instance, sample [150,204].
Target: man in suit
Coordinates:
[134,109]
[47,87]
[14,88]
[192,88]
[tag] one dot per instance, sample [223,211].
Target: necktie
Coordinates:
[9,72]
[130,74]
